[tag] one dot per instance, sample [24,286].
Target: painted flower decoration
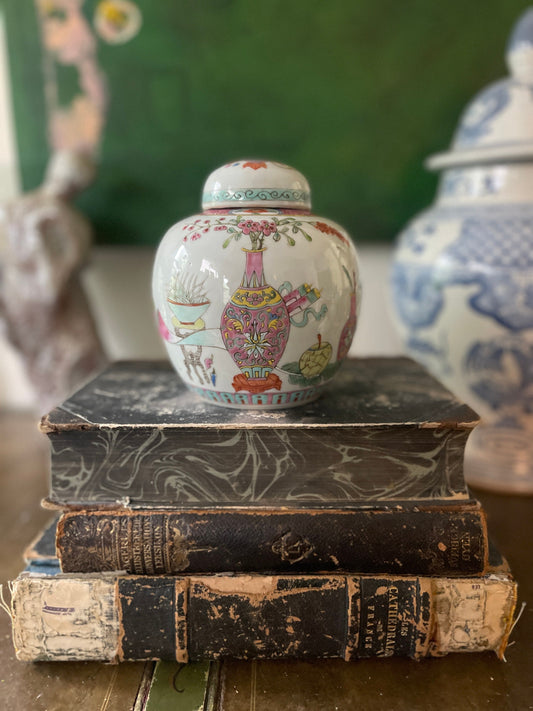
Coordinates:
[329,230]
[267,227]
[256,343]
[255,164]
[258,230]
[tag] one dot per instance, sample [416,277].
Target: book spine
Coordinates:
[126,618]
[433,541]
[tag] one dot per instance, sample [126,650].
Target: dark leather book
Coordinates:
[408,539]
[117,617]
[386,431]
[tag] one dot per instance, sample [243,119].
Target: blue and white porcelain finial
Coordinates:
[497,125]
[519,53]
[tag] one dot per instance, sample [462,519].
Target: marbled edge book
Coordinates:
[135,435]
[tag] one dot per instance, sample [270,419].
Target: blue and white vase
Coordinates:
[462,277]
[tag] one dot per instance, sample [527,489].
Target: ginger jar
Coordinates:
[257,298]
[463,273]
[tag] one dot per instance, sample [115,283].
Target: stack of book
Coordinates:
[343,528]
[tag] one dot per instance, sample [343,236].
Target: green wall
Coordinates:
[353,93]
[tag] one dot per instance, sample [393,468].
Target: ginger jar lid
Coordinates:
[497,125]
[256,183]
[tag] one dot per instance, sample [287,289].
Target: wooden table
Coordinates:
[458,682]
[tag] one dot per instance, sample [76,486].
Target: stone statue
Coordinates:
[44,242]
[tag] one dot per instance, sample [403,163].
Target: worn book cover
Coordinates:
[385,431]
[116,616]
[409,539]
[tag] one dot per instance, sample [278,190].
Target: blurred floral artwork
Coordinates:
[117,21]
[68,40]
[71,40]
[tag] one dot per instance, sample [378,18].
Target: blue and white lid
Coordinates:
[256,183]
[497,124]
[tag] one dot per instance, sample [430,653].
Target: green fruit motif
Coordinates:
[314,360]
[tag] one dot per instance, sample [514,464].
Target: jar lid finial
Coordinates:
[519,54]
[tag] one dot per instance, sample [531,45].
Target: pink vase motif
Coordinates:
[255,327]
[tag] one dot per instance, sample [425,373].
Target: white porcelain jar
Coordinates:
[463,273]
[257,299]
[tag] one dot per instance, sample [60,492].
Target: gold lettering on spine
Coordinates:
[392,621]
[368,639]
[124,543]
[454,549]
[147,531]
[166,544]
[157,550]
[137,545]
[466,547]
